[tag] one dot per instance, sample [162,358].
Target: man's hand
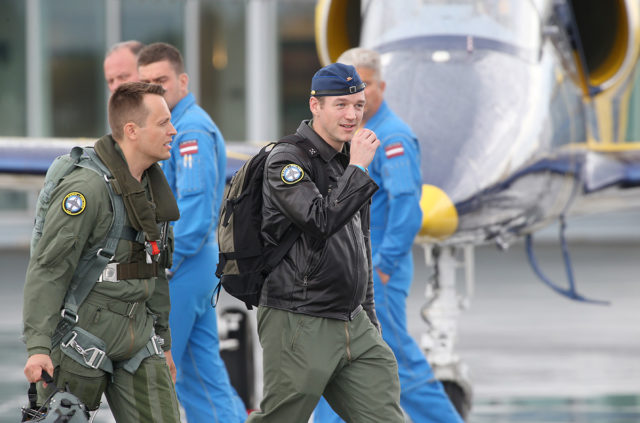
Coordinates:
[172,365]
[35,365]
[363,147]
[384,278]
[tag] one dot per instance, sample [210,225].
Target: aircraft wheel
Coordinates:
[458,397]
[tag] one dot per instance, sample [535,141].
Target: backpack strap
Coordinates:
[321,179]
[96,259]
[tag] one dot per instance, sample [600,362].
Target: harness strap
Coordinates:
[132,235]
[123,308]
[90,351]
[93,263]
[153,347]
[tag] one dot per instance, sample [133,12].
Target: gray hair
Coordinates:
[134,47]
[362,58]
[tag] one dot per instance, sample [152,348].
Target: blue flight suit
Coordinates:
[396,218]
[196,174]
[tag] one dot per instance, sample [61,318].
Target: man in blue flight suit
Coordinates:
[196,173]
[396,218]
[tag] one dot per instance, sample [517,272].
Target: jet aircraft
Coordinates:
[520,108]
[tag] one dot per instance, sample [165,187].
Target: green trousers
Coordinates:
[146,396]
[305,357]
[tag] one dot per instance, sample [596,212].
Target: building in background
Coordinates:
[51,55]
[249,63]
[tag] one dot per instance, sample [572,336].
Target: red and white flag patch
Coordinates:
[188,147]
[394,150]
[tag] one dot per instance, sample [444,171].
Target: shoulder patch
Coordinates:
[74,203]
[291,173]
[394,150]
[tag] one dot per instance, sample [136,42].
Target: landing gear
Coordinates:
[441,312]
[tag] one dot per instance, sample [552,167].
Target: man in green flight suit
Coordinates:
[120,342]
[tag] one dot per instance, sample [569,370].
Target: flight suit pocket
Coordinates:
[84,382]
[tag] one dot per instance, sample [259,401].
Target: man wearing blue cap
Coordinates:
[395,220]
[316,320]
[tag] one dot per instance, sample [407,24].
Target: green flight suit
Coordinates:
[123,314]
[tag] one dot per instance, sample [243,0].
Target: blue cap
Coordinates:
[336,79]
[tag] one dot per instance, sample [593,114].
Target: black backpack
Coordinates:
[244,261]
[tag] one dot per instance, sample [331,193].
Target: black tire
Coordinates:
[458,398]
[239,361]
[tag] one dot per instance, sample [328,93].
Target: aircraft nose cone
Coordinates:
[439,215]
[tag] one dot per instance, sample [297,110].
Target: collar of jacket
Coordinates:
[326,151]
[143,214]
[182,106]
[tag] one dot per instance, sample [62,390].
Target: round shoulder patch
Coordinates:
[291,173]
[74,203]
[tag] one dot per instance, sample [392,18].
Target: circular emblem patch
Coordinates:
[291,173]
[74,203]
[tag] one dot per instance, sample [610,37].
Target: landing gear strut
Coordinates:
[440,312]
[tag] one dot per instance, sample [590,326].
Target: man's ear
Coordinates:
[183,80]
[314,105]
[130,130]
[383,85]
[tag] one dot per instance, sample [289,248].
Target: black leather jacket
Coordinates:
[327,272]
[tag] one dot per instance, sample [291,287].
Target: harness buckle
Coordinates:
[97,355]
[100,253]
[69,315]
[71,341]
[110,273]
[157,343]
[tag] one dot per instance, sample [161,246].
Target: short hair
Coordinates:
[133,46]
[158,52]
[126,104]
[360,57]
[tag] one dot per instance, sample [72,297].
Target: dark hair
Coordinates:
[158,52]
[127,105]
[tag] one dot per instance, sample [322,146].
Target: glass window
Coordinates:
[75,103]
[12,68]
[222,65]
[298,61]
[150,21]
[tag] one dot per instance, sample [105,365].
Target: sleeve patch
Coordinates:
[188,147]
[74,203]
[291,173]
[394,150]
